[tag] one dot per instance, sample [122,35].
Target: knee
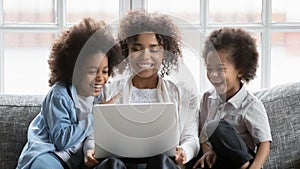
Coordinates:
[111,162]
[161,161]
[112,159]
[160,157]
[47,161]
[218,128]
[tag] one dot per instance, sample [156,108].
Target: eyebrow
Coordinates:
[216,65]
[92,67]
[221,64]
[139,44]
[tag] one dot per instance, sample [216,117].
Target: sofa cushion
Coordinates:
[282,104]
[16,112]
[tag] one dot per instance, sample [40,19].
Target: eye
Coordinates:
[154,49]
[136,48]
[221,69]
[103,71]
[209,69]
[92,71]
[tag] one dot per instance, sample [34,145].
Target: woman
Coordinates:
[151,45]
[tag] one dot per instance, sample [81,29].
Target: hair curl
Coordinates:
[166,32]
[241,47]
[67,48]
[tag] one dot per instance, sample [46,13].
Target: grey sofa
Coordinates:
[282,104]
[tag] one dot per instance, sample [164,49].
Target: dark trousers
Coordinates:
[156,162]
[231,150]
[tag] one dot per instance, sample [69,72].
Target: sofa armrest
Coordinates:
[16,112]
[282,104]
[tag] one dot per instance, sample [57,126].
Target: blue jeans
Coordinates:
[48,161]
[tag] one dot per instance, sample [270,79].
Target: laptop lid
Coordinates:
[135,130]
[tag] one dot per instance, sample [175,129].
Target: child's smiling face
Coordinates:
[222,73]
[94,75]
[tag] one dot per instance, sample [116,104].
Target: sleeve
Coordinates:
[257,123]
[202,120]
[89,143]
[189,140]
[64,127]
[203,117]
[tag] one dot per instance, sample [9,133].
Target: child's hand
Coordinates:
[180,156]
[208,157]
[113,99]
[89,159]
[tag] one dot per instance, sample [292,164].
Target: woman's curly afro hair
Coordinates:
[167,35]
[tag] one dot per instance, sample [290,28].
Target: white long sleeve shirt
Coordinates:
[184,98]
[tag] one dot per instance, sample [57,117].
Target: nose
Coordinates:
[99,77]
[213,73]
[146,53]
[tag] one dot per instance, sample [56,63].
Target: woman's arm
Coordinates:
[189,115]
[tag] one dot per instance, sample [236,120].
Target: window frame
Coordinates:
[265,28]
[60,25]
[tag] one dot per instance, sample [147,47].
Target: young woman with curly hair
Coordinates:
[80,63]
[234,123]
[151,44]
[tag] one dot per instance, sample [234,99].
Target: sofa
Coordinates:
[282,104]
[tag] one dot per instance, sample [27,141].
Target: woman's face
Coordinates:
[94,75]
[145,55]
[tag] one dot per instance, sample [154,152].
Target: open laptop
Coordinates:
[135,130]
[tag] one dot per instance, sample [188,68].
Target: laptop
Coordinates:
[135,130]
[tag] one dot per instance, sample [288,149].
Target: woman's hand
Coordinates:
[180,156]
[209,157]
[89,159]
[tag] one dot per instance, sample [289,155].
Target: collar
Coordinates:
[239,97]
[74,95]
[162,89]
[236,100]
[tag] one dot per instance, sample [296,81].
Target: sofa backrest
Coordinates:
[16,112]
[282,104]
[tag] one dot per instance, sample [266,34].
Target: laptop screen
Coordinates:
[135,130]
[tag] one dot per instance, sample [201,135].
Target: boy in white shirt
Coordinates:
[233,122]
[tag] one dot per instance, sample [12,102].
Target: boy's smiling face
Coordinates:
[222,73]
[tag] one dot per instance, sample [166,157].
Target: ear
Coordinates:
[240,75]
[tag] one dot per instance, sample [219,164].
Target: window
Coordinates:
[25,58]
[274,24]
[27,29]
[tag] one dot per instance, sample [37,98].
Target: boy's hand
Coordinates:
[180,156]
[89,159]
[208,157]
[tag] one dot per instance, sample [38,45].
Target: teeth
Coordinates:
[216,81]
[98,86]
[145,65]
